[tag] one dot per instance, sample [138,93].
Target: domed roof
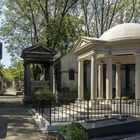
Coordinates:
[126,30]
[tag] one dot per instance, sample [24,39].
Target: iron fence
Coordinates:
[70,110]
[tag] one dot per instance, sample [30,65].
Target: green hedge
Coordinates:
[44,94]
[71,132]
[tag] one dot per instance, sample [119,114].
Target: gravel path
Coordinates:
[15,122]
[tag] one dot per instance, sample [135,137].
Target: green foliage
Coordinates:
[73,95]
[69,95]
[29,22]
[8,73]
[44,94]
[59,23]
[18,69]
[71,132]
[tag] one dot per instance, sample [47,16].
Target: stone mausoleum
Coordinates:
[117,47]
[38,71]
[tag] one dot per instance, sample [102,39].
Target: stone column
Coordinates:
[118,81]
[27,85]
[93,77]
[100,81]
[54,84]
[137,76]
[80,80]
[48,73]
[109,77]
[51,77]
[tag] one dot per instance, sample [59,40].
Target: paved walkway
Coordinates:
[15,122]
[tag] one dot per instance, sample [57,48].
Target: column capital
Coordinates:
[93,55]
[80,60]
[137,53]
[108,55]
[100,63]
[117,64]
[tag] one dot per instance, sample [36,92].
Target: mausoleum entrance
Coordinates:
[38,61]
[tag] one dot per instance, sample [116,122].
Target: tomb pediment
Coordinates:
[38,49]
[81,43]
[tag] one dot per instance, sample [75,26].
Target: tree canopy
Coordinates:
[15,71]
[58,23]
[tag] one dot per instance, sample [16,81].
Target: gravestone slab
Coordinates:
[3,128]
[111,126]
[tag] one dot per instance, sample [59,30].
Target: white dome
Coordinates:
[126,30]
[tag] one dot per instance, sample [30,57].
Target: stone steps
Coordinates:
[90,105]
[75,111]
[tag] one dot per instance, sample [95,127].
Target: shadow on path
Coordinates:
[15,121]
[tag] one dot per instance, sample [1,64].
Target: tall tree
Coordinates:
[28,22]
[58,23]
[101,15]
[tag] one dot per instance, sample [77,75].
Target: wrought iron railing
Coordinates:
[69,110]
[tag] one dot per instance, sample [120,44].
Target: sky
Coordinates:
[5,57]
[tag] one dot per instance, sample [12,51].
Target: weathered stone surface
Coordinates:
[3,128]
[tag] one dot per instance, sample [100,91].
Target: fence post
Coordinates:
[120,106]
[36,104]
[50,112]
[87,109]
[39,106]
[42,107]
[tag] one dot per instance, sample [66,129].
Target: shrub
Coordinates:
[70,96]
[65,89]
[124,97]
[44,94]
[71,132]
